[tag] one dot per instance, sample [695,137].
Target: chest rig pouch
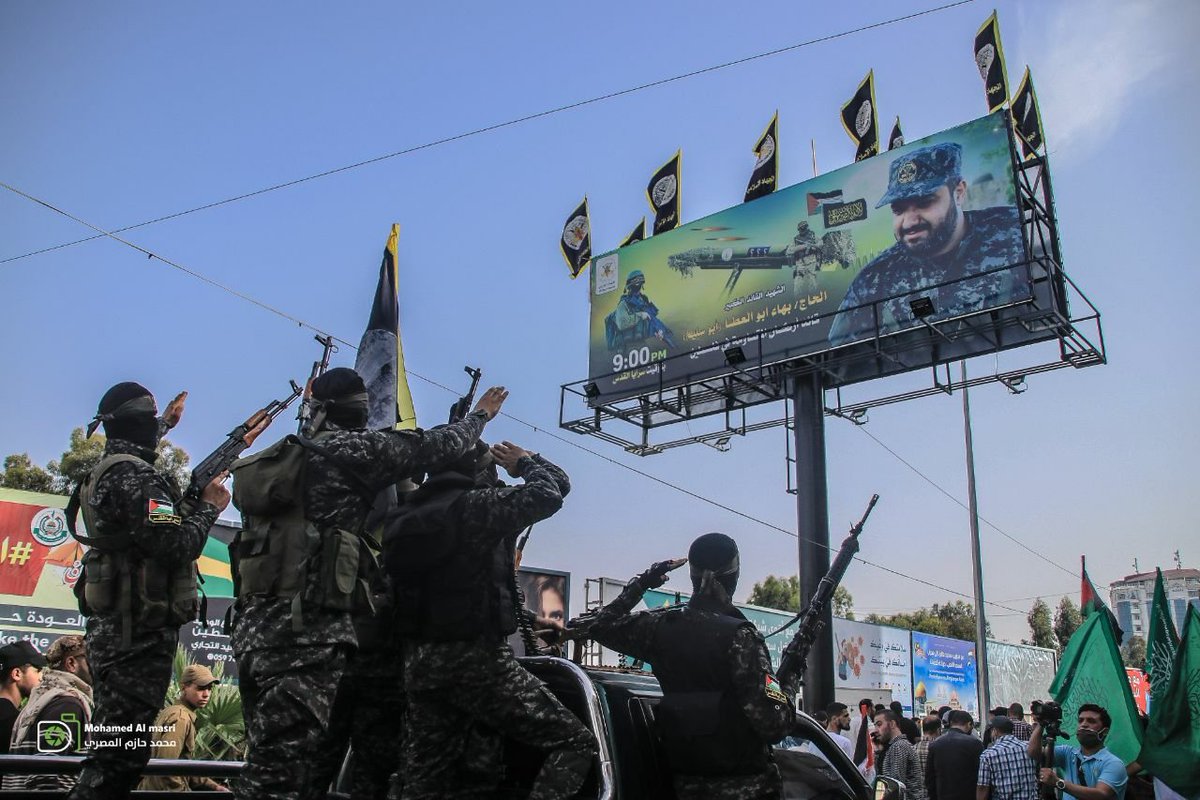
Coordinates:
[117,578]
[279,552]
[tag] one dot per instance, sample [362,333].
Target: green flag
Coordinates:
[1172,748]
[1091,672]
[1162,641]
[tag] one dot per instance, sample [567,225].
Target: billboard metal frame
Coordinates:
[1057,311]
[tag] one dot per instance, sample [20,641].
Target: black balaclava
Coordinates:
[713,562]
[342,398]
[128,412]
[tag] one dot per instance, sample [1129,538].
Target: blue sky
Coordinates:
[127,112]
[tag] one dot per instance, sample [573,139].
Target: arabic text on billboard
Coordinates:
[821,264]
[869,656]
[945,673]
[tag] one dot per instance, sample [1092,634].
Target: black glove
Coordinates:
[656,576]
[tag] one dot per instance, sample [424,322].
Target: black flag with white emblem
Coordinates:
[860,120]
[766,164]
[663,194]
[576,239]
[989,57]
[896,138]
[636,235]
[1027,120]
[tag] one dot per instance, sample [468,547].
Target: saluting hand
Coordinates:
[174,410]
[491,401]
[656,576]
[507,455]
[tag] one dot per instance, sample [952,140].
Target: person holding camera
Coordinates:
[1090,771]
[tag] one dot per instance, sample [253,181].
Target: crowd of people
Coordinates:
[943,756]
[375,583]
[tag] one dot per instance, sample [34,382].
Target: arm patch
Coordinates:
[160,509]
[773,690]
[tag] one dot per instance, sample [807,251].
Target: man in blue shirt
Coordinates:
[1090,771]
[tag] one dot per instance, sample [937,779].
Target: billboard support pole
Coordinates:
[812,529]
[981,660]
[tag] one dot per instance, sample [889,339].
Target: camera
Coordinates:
[1049,716]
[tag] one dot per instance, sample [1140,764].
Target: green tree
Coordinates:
[1041,626]
[784,594]
[82,455]
[955,619]
[1067,620]
[21,473]
[1133,652]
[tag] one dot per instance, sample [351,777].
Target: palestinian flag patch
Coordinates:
[773,690]
[161,512]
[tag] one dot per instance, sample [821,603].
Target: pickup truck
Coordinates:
[619,707]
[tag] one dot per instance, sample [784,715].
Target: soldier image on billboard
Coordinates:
[939,246]
[635,319]
[805,253]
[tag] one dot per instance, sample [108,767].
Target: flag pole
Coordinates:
[813,144]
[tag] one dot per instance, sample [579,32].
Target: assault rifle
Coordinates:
[463,406]
[238,440]
[795,655]
[318,369]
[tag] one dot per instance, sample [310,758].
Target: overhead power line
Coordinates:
[676,487]
[948,494]
[495,127]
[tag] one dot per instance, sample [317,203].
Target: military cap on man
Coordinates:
[636,275]
[63,648]
[922,171]
[197,675]
[18,654]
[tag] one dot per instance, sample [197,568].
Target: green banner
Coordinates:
[1091,672]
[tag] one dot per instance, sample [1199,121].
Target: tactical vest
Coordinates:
[118,578]
[703,728]
[443,592]
[279,549]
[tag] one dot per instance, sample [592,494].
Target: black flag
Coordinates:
[636,235]
[766,165]
[989,57]
[1027,120]
[663,194]
[576,240]
[860,120]
[896,139]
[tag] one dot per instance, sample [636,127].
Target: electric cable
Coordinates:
[498,126]
[302,323]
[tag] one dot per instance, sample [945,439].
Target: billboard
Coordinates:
[872,657]
[823,264]
[1019,673]
[547,593]
[944,673]
[40,564]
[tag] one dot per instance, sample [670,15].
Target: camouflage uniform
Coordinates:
[131,681]
[288,679]
[464,695]
[805,254]
[766,704]
[992,241]
[368,713]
